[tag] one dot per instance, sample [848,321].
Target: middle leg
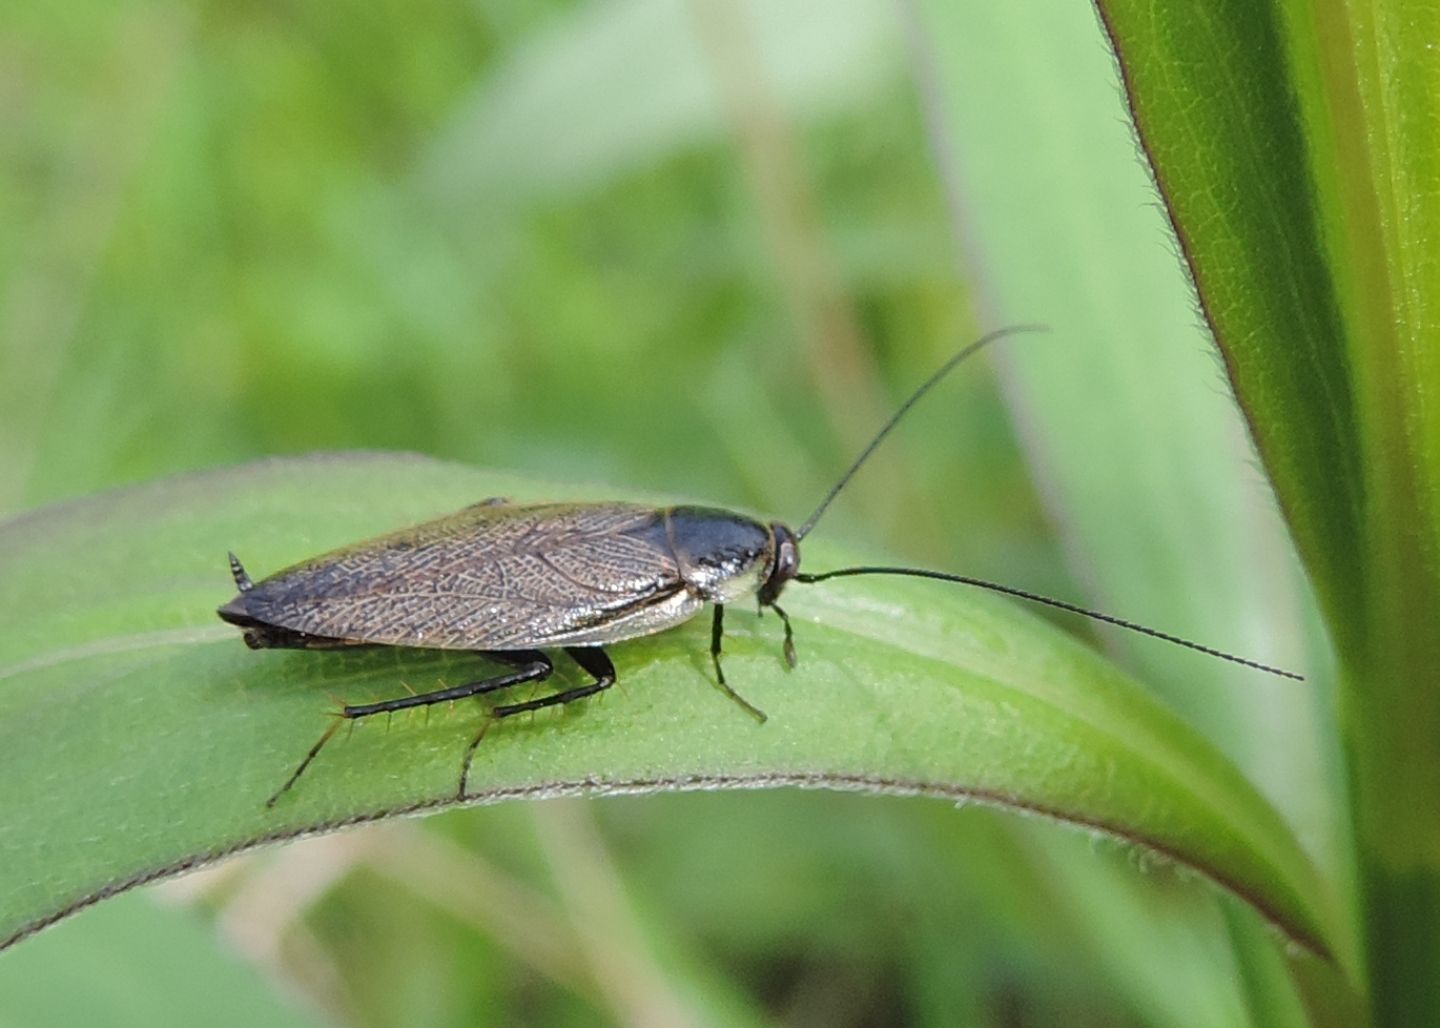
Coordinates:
[717,635]
[590,658]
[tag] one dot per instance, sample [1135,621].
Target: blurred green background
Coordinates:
[698,248]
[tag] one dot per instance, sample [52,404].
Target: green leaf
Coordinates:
[1211,96]
[143,963]
[1089,253]
[147,737]
[1295,144]
[1175,521]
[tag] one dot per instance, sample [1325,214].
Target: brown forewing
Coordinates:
[490,577]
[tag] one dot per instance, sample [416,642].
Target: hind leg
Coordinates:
[530,665]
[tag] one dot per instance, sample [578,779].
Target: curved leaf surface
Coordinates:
[142,738]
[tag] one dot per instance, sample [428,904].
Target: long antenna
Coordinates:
[1061,604]
[930,383]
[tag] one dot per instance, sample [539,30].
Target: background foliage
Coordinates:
[706,265]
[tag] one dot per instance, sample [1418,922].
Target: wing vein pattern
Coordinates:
[491,578]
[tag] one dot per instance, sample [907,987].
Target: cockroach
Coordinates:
[509,581]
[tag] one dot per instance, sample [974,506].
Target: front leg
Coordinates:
[717,636]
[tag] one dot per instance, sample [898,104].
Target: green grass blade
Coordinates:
[1210,97]
[1296,146]
[1174,522]
[148,737]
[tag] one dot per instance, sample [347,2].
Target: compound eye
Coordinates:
[787,553]
[789,561]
